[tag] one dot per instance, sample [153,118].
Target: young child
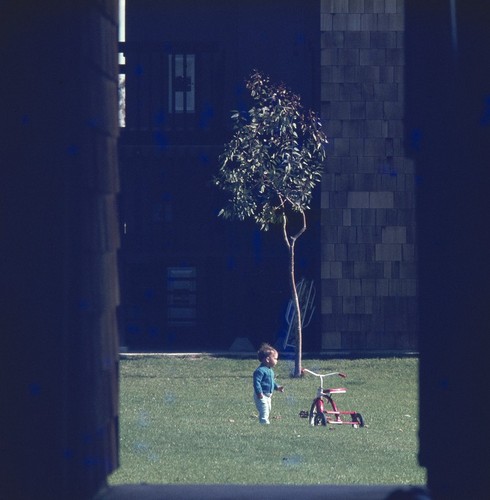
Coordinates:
[264,381]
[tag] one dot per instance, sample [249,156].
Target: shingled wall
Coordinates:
[368,262]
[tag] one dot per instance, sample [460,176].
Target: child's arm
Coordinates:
[279,388]
[257,380]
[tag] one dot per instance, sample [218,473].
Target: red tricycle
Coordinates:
[319,415]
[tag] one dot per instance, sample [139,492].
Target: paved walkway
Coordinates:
[262,492]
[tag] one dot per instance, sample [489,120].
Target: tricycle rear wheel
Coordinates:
[360,419]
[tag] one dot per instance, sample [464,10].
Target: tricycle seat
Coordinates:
[339,390]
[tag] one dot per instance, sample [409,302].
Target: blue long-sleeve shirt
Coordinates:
[264,380]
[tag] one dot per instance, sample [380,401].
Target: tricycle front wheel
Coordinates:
[317,417]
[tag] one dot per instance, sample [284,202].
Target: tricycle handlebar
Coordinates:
[343,375]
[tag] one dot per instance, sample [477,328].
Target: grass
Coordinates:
[193,420]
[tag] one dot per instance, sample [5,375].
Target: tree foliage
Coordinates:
[275,157]
[271,166]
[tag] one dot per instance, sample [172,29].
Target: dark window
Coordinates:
[181,296]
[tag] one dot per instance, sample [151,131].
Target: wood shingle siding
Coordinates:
[368,266]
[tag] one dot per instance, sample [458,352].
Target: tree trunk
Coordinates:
[290,242]
[299,332]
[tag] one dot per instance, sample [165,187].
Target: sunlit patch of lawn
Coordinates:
[193,420]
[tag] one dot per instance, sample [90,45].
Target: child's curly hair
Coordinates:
[265,350]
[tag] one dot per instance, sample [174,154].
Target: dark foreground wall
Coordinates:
[448,105]
[59,242]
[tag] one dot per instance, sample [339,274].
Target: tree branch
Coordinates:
[303,229]
[285,230]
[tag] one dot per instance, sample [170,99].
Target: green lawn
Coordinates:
[192,420]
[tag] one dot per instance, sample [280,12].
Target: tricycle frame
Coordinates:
[324,410]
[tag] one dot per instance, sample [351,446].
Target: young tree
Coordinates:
[270,168]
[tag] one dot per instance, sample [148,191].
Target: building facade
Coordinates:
[191,280]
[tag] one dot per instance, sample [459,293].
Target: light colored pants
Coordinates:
[263,407]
